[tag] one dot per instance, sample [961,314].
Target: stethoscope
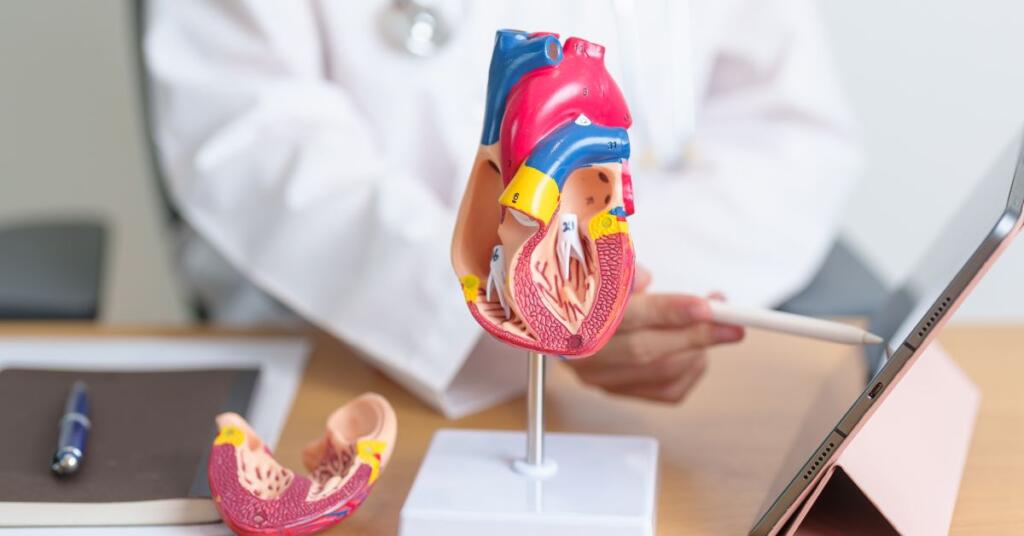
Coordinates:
[423,31]
[415,27]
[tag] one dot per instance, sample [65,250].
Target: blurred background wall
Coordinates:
[71,143]
[939,90]
[936,85]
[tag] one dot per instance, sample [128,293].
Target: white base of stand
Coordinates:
[542,470]
[603,485]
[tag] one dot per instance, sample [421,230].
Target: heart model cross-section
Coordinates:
[541,244]
[256,495]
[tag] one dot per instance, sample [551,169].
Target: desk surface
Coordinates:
[720,449]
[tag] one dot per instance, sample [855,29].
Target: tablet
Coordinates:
[912,315]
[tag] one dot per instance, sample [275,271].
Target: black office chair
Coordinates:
[844,286]
[172,219]
[51,271]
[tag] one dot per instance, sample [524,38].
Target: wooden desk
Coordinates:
[721,448]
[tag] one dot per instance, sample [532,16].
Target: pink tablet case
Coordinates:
[899,470]
[900,473]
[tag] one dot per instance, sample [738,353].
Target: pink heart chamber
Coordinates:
[541,245]
[256,495]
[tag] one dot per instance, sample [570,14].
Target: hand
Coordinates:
[658,352]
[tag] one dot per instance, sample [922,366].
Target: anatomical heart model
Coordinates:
[541,246]
[256,495]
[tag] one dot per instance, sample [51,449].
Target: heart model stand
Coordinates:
[476,482]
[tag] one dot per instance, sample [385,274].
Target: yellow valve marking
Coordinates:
[229,435]
[369,452]
[470,287]
[531,192]
[606,224]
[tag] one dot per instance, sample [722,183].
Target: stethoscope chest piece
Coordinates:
[415,28]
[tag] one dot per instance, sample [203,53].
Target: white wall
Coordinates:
[71,144]
[939,89]
[938,86]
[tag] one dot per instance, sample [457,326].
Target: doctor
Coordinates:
[317,152]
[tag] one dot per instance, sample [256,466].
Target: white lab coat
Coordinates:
[316,161]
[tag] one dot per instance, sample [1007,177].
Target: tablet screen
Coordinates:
[959,237]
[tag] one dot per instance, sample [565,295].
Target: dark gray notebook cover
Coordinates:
[151,432]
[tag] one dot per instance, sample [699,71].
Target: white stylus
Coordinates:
[805,326]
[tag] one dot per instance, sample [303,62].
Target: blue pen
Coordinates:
[74,432]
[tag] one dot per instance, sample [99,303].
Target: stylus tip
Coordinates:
[871,338]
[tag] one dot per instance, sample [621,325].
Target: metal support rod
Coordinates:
[535,409]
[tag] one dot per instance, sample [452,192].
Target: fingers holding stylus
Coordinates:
[672,391]
[663,368]
[659,350]
[647,345]
[665,311]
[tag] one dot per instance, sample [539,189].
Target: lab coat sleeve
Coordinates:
[276,167]
[754,209]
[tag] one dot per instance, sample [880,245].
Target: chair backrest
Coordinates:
[138,28]
[172,217]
